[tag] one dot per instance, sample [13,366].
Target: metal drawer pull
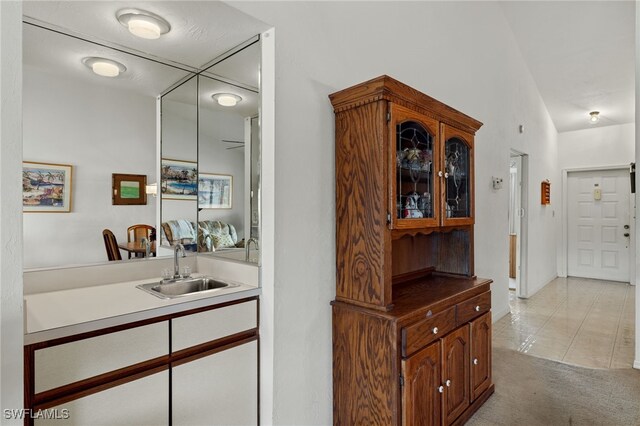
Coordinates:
[475,361]
[441,389]
[435,330]
[478,308]
[448,383]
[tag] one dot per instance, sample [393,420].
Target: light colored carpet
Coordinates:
[534,391]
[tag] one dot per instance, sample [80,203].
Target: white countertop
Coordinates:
[55,314]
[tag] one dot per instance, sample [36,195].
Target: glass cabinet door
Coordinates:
[457,174]
[416,153]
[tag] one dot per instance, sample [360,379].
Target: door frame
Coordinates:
[522,252]
[563,264]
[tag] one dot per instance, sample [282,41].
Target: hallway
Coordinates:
[579,321]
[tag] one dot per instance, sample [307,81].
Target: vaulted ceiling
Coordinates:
[581,56]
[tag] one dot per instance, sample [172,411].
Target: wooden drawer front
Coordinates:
[474,307]
[70,362]
[192,330]
[420,334]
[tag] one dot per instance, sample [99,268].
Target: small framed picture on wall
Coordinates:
[128,190]
[46,188]
[215,191]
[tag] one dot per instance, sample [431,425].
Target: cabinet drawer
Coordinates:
[422,333]
[474,307]
[192,330]
[70,362]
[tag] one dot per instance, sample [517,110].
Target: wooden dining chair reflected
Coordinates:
[111,244]
[138,232]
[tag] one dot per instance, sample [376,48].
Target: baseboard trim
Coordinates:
[499,314]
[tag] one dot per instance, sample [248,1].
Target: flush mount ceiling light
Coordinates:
[594,117]
[104,67]
[226,99]
[143,24]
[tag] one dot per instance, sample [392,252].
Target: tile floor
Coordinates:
[579,321]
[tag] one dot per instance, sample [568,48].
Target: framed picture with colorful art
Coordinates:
[215,191]
[179,180]
[128,189]
[46,188]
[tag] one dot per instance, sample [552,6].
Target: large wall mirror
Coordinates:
[213,206]
[81,128]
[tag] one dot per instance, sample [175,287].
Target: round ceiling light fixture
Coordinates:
[594,117]
[143,24]
[227,99]
[104,67]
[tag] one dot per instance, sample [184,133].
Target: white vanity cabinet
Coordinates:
[141,402]
[218,389]
[194,367]
[60,365]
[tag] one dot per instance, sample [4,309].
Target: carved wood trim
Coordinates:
[387,88]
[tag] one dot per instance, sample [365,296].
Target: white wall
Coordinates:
[216,159]
[460,53]
[597,147]
[99,131]
[11,323]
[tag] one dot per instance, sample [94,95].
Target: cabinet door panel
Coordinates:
[458,170]
[209,325]
[70,362]
[414,154]
[422,401]
[455,373]
[141,402]
[480,355]
[219,389]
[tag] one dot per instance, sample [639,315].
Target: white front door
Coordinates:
[598,224]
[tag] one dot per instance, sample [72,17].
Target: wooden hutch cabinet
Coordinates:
[411,322]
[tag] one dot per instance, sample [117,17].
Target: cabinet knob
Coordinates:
[446,175]
[478,308]
[435,330]
[448,383]
[440,173]
[441,389]
[475,361]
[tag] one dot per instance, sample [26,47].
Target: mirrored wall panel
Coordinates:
[178,185]
[213,206]
[89,146]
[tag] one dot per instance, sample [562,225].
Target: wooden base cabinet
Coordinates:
[426,364]
[442,380]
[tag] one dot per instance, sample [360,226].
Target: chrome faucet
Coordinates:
[246,247]
[176,266]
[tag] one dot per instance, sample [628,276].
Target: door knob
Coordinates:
[626,227]
[626,234]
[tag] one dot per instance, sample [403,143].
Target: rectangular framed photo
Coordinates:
[128,190]
[179,180]
[46,188]
[215,191]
